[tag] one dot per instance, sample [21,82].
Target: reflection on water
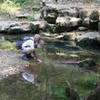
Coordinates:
[68,46]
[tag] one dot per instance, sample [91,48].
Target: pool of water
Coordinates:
[13,88]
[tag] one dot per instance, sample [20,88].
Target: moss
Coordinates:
[6,45]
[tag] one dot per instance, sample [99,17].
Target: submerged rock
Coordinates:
[87,63]
[29,77]
[82,29]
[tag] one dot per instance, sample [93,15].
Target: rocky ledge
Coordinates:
[11,63]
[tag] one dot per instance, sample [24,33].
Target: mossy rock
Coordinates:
[87,63]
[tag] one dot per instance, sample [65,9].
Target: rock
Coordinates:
[67,23]
[43,25]
[22,16]
[87,64]
[34,28]
[92,43]
[91,24]
[75,21]
[29,77]
[69,36]
[87,35]
[82,13]
[4,25]
[51,15]
[82,29]
[14,27]
[86,22]
[19,29]
[71,12]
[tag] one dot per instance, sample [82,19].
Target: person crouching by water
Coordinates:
[28,47]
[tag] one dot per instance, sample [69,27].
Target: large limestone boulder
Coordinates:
[67,23]
[4,25]
[75,21]
[14,27]
[20,28]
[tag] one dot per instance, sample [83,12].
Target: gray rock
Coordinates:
[67,23]
[89,35]
[14,26]
[86,22]
[20,28]
[83,13]
[82,29]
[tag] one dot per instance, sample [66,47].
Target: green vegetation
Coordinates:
[6,45]
[11,6]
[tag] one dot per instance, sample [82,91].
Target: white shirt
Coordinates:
[28,45]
